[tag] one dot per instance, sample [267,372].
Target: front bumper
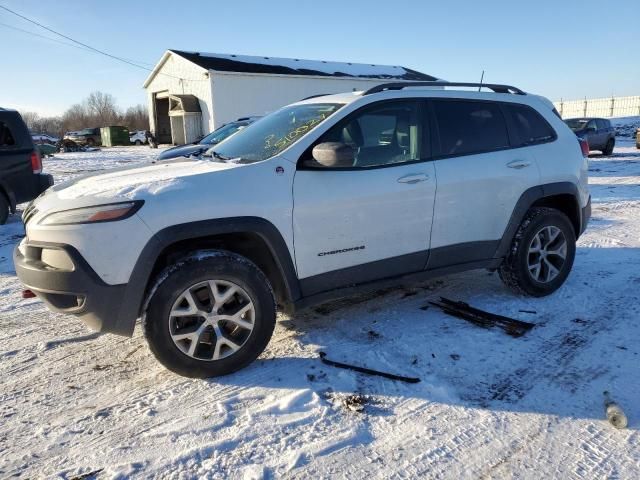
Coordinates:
[586,215]
[75,289]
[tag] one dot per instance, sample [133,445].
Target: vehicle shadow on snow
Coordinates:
[584,342]
[617,154]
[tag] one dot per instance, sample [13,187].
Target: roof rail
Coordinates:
[400,85]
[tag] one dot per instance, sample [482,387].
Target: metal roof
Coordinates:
[294,66]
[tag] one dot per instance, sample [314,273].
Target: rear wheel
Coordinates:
[608,149]
[90,142]
[541,255]
[4,209]
[213,314]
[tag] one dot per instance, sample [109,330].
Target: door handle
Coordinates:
[415,178]
[518,164]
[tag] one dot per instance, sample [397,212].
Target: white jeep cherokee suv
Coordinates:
[319,198]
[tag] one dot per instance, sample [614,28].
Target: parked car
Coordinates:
[205,143]
[598,132]
[46,149]
[139,137]
[89,136]
[315,201]
[21,177]
[44,138]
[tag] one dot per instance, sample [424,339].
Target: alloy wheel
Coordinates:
[547,254]
[212,320]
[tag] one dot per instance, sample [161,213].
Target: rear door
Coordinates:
[371,220]
[593,135]
[480,179]
[16,147]
[604,131]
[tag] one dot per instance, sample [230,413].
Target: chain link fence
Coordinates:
[600,107]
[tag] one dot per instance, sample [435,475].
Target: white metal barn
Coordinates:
[191,94]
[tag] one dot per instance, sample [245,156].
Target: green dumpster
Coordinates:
[114,135]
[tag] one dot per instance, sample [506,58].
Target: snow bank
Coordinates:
[626,126]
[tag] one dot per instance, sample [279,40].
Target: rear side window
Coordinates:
[6,137]
[470,127]
[530,125]
[603,124]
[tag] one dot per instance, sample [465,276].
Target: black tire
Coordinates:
[514,271]
[211,265]
[138,142]
[638,146]
[90,142]
[4,209]
[608,149]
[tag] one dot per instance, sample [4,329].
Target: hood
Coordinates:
[136,182]
[182,150]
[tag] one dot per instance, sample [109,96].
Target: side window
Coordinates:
[6,137]
[380,135]
[470,127]
[530,125]
[592,124]
[602,124]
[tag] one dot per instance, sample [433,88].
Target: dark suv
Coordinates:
[597,131]
[88,136]
[21,177]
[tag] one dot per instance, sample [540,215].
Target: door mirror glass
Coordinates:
[334,154]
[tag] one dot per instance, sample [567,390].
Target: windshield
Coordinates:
[272,134]
[223,132]
[576,124]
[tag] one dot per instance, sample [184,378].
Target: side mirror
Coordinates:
[334,155]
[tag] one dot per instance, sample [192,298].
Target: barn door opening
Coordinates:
[163,125]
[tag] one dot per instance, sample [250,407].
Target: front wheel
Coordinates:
[213,314]
[541,255]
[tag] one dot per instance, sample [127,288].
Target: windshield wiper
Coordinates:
[219,156]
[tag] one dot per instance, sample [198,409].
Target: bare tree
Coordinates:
[31,119]
[97,110]
[75,118]
[102,107]
[136,118]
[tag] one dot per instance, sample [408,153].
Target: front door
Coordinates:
[371,219]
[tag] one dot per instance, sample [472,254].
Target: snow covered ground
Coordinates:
[489,406]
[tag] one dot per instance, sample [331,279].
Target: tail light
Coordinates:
[584,146]
[36,162]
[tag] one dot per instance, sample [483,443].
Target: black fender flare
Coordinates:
[134,297]
[526,200]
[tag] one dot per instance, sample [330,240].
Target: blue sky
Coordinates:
[560,49]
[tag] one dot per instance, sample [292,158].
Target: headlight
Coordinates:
[98,214]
